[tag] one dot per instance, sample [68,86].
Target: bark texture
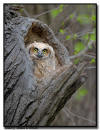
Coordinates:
[22,105]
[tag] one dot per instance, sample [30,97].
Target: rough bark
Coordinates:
[22,105]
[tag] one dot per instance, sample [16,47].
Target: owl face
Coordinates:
[40,51]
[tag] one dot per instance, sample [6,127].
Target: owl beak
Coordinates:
[40,55]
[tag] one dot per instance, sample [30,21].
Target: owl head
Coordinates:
[40,51]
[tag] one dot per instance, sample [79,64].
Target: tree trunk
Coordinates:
[22,104]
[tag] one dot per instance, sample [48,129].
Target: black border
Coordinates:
[57,127]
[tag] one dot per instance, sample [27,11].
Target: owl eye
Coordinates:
[45,51]
[35,50]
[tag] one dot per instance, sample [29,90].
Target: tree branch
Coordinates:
[43,13]
[82,53]
[78,116]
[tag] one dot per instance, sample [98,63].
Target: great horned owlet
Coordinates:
[44,57]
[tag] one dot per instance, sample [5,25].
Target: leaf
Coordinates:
[71,16]
[54,13]
[76,61]
[74,36]
[83,19]
[81,93]
[93,18]
[85,37]
[62,23]
[68,37]
[93,37]
[79,46]
[90,47]
[92,61]
[61,31]
[79,19]
[21,10]
[61,8]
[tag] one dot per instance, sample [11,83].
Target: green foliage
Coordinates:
[84,19]
[55,12]
[93,18]
[92,61]
[71,16]
[81,93]
[75,36]
[68,37]
[85,37]
[79,46]
[90,6]
[21,10]
[61,31]
[94,30]
[93,37]
[76,61]
[90,47]
[62,23]
[61,8]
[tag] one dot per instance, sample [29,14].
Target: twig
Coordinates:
[83,118]
[81,34]
[82,52]
[91,53]
[36,16]
[26,13]
[68,115]
[91,67]
[90,56]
